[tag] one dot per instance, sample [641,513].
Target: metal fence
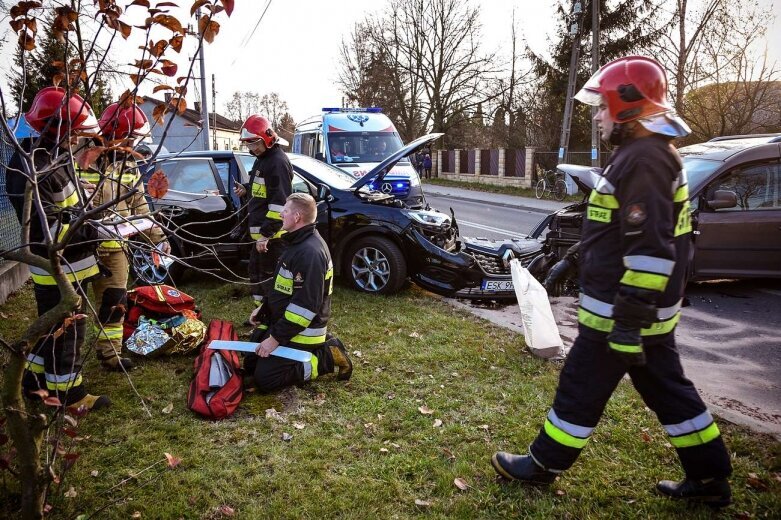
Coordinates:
[9,224]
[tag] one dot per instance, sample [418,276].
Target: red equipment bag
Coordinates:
[217,388]
[155,302]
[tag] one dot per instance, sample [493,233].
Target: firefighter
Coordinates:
[120,182]
[295,310]
[54,363]
[633,262]
[271,181]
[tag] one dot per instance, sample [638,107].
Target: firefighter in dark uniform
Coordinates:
[269,185]
[634,255]
[295,310]
[54,363]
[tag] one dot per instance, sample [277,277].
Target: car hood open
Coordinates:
[379,172]
[585,177]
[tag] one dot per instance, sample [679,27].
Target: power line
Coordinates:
[248,38]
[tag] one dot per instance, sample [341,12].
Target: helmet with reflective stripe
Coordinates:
[118,122]
[258,127]
[50,107]
[633,87]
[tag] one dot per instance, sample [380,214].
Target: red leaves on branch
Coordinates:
[228,4]
[158,48]
[176,42]
[169,22]
[158,113]
[52,401]
[197,5]
[208,28]
[140,3]
[169,68]
[157,186]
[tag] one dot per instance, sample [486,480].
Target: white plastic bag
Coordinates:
[539,327]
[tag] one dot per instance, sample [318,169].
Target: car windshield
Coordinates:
[330,175]
[698,171]
[246,161]
[349,147]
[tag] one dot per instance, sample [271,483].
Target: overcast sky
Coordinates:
[295,49]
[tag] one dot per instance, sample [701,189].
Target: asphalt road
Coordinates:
[729,336]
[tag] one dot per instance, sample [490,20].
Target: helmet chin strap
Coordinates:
[619,134]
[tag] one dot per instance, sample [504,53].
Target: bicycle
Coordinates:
[551,184]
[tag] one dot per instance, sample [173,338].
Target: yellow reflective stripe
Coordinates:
[35,368]
[64,229]
[278,234]
[684,224]
[111,244]
[46,279]
[563,437]
[69,201]
[262,326]
[654,282]
[64,385]
[297,319]
[599,214]
[314,367]
[681,194]
[603,199]
[696,438]
[273,215]
[109,332]
[89,176]
[329,273]
[308,340]
[601,324]
[630,349]
[662,327]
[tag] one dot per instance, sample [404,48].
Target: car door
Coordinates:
[743,241]
[301,185]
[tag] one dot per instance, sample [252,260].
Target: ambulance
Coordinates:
[356,140]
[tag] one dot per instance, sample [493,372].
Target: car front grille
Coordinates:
[492,264]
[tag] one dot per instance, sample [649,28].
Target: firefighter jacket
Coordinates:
[270,184]
[636,234]
[63,201]
[119,178]
[299,304]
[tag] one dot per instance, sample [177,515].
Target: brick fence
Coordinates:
[504,166]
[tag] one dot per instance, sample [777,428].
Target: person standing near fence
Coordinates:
[634,257]
[427,166]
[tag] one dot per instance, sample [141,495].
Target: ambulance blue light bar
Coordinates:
[370,110]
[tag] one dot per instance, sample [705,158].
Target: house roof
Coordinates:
[222,122]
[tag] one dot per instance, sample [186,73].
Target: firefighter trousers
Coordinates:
[110,304]
[262,265]
[54,363]
[588,379]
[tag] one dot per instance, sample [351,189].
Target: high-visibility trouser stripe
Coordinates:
[649,264]
[603,199]
[651,281]
[602,324]
[34,364]
[310,336]
[629,349]
[108,332]
[699,438]
[75,272]
[566,433]
[310,369]
[64,382]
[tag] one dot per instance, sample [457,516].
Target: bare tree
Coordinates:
[273,107]
[242,105]
[73,222]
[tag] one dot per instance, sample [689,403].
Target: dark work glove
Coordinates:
[556,275]
[625,342]
[635,308]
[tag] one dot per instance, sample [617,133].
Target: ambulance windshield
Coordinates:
[363,147]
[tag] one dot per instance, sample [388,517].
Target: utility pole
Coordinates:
[594,68]
[577,13]
[214,117]
[204,97]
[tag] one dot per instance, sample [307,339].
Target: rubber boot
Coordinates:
[521,468]
[90,402]
[118,364]
[341,359]
[713,492]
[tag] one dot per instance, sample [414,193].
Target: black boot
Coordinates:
[341,359]
[521,467]
[713,492]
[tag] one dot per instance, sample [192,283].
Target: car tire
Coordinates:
[375,265]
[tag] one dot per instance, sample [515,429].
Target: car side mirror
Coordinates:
[723,199]
[319,156]
[323,192]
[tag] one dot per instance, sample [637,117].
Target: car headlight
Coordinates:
[428,218]
[414,180]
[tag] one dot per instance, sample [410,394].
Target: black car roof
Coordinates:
[722,148]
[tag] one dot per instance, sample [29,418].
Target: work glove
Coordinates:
[556,276]
[625,343]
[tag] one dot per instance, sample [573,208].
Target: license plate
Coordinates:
[497,285]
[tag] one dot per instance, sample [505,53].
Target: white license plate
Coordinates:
[497,285]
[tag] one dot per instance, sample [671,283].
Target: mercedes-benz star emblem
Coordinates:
[386,187]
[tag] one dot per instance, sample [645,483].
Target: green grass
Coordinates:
[492,188]
[365,451]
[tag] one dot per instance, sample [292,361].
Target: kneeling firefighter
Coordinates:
[633,262]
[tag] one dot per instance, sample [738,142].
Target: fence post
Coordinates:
[436,170]
[531,175]
[500,166]
[457,164]
[477,162]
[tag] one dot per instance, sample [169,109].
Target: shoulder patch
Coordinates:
[636,214]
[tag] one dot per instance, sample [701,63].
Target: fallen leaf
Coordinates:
[390,396]
[755,482]
[94,473]
[357,353]
[561,492]
[287,437]
[136,514]
[414,335]
[483,427]
[299,426]
[169,408]
[3,315]
[227,510]
[52,401]
[395,445]
[172,461]
[71,493]
[422,503]
[383,450]
[271,413]
[437,423]
[461,484]
[448,454]
[425,410]
[645,437]
[70,420]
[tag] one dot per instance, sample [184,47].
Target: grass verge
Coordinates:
[364,449]
[492,188]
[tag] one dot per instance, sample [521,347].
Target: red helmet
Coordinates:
[633,87]
[73,114]
[117,122]
[258,127]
